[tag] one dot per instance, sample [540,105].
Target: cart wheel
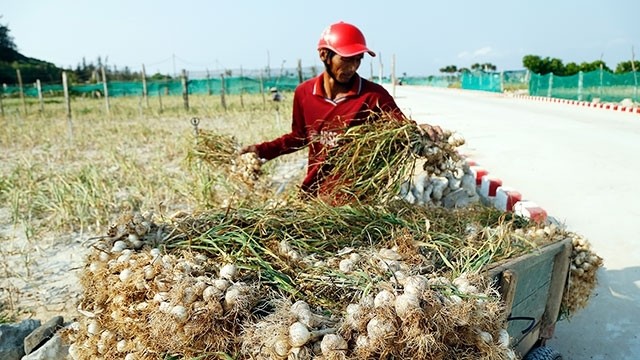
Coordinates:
[543,353]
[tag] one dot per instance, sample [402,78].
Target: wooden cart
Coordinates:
[532,286]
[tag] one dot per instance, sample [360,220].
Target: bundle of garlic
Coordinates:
[582,277]
[371,161]
[422,320]
[292,331]
[132,231]
[247,168]
[440,155]
[144,304]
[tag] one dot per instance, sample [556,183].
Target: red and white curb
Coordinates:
[606,106]
[502,197]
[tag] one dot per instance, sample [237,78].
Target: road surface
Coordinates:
[582,165]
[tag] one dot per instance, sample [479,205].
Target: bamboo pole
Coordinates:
[40,98]
[300,78]
[222,92]
[241,88]
[380,74]
[67,101]
[185,90]
[264,99]
[1,104]
[22,99]
[393,75]
[160,98]
[145,91]
[600,89]
[635,76]
[580,84]
[106,90]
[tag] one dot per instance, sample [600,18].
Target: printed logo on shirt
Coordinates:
[327,139]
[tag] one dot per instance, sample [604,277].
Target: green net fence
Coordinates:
[590,86]
[494,81]
[229,81]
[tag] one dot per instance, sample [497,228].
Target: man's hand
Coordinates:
[248,149]
[434,132]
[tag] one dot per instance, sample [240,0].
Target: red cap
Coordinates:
[344,39]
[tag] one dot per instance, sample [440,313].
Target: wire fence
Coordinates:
[592,86]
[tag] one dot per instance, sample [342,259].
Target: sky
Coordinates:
[421,36]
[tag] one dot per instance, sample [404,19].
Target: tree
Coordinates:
[6,40]
[571,69]
[544,66]
[449,69]
[627,66]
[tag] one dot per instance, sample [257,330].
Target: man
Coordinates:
[327,104]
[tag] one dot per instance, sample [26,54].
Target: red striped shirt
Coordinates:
[316,120]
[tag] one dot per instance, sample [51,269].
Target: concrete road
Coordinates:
[582,165]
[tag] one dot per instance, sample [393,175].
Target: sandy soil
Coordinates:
[39,279]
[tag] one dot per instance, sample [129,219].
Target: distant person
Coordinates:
[323,106]
[275,94]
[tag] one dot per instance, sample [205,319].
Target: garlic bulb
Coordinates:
[281,346]
[406,304]
[415,285]
[384,298]
[331,343]
[179,312]
[298,334]
[228,272]
[379,328]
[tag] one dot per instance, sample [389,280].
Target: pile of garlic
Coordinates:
[293,332]
[582,278]
[159,300]
[415,320]
[247,168]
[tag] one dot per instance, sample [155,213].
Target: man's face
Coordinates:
[343,68]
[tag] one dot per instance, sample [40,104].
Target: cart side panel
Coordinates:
[537,290]
[532,291]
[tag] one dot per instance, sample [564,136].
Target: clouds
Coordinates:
[483,52]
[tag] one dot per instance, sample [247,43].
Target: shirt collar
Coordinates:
[318,89]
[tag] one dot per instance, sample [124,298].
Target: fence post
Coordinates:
[241,88]
[264,99]
[393,74]
[67,101]
[106,90]
[1,105]
[380,75]
[580,84]
[160,97]
[208,83]
[601,82]
[145,91]
[222,91]
[40,99]
[24,103]
[635,87]
[300,78]
[550,84]
[185,90]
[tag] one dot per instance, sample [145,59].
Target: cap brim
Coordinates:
[354,50]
